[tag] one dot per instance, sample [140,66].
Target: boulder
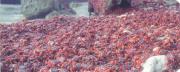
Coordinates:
[178,70]
[52,14]
[58,13]
[33,9]
[178,1]
[155,64]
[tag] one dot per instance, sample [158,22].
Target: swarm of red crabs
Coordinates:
[118,43]
[109,43]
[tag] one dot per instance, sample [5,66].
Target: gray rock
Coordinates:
[58,13]
[178,70]
[178,1]
[155,64]
[32,9]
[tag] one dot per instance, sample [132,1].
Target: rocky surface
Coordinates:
[33,9]
[52,14]
[155,64]
[80,8]
[103,7]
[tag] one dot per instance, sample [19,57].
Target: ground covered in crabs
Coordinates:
[112,43]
